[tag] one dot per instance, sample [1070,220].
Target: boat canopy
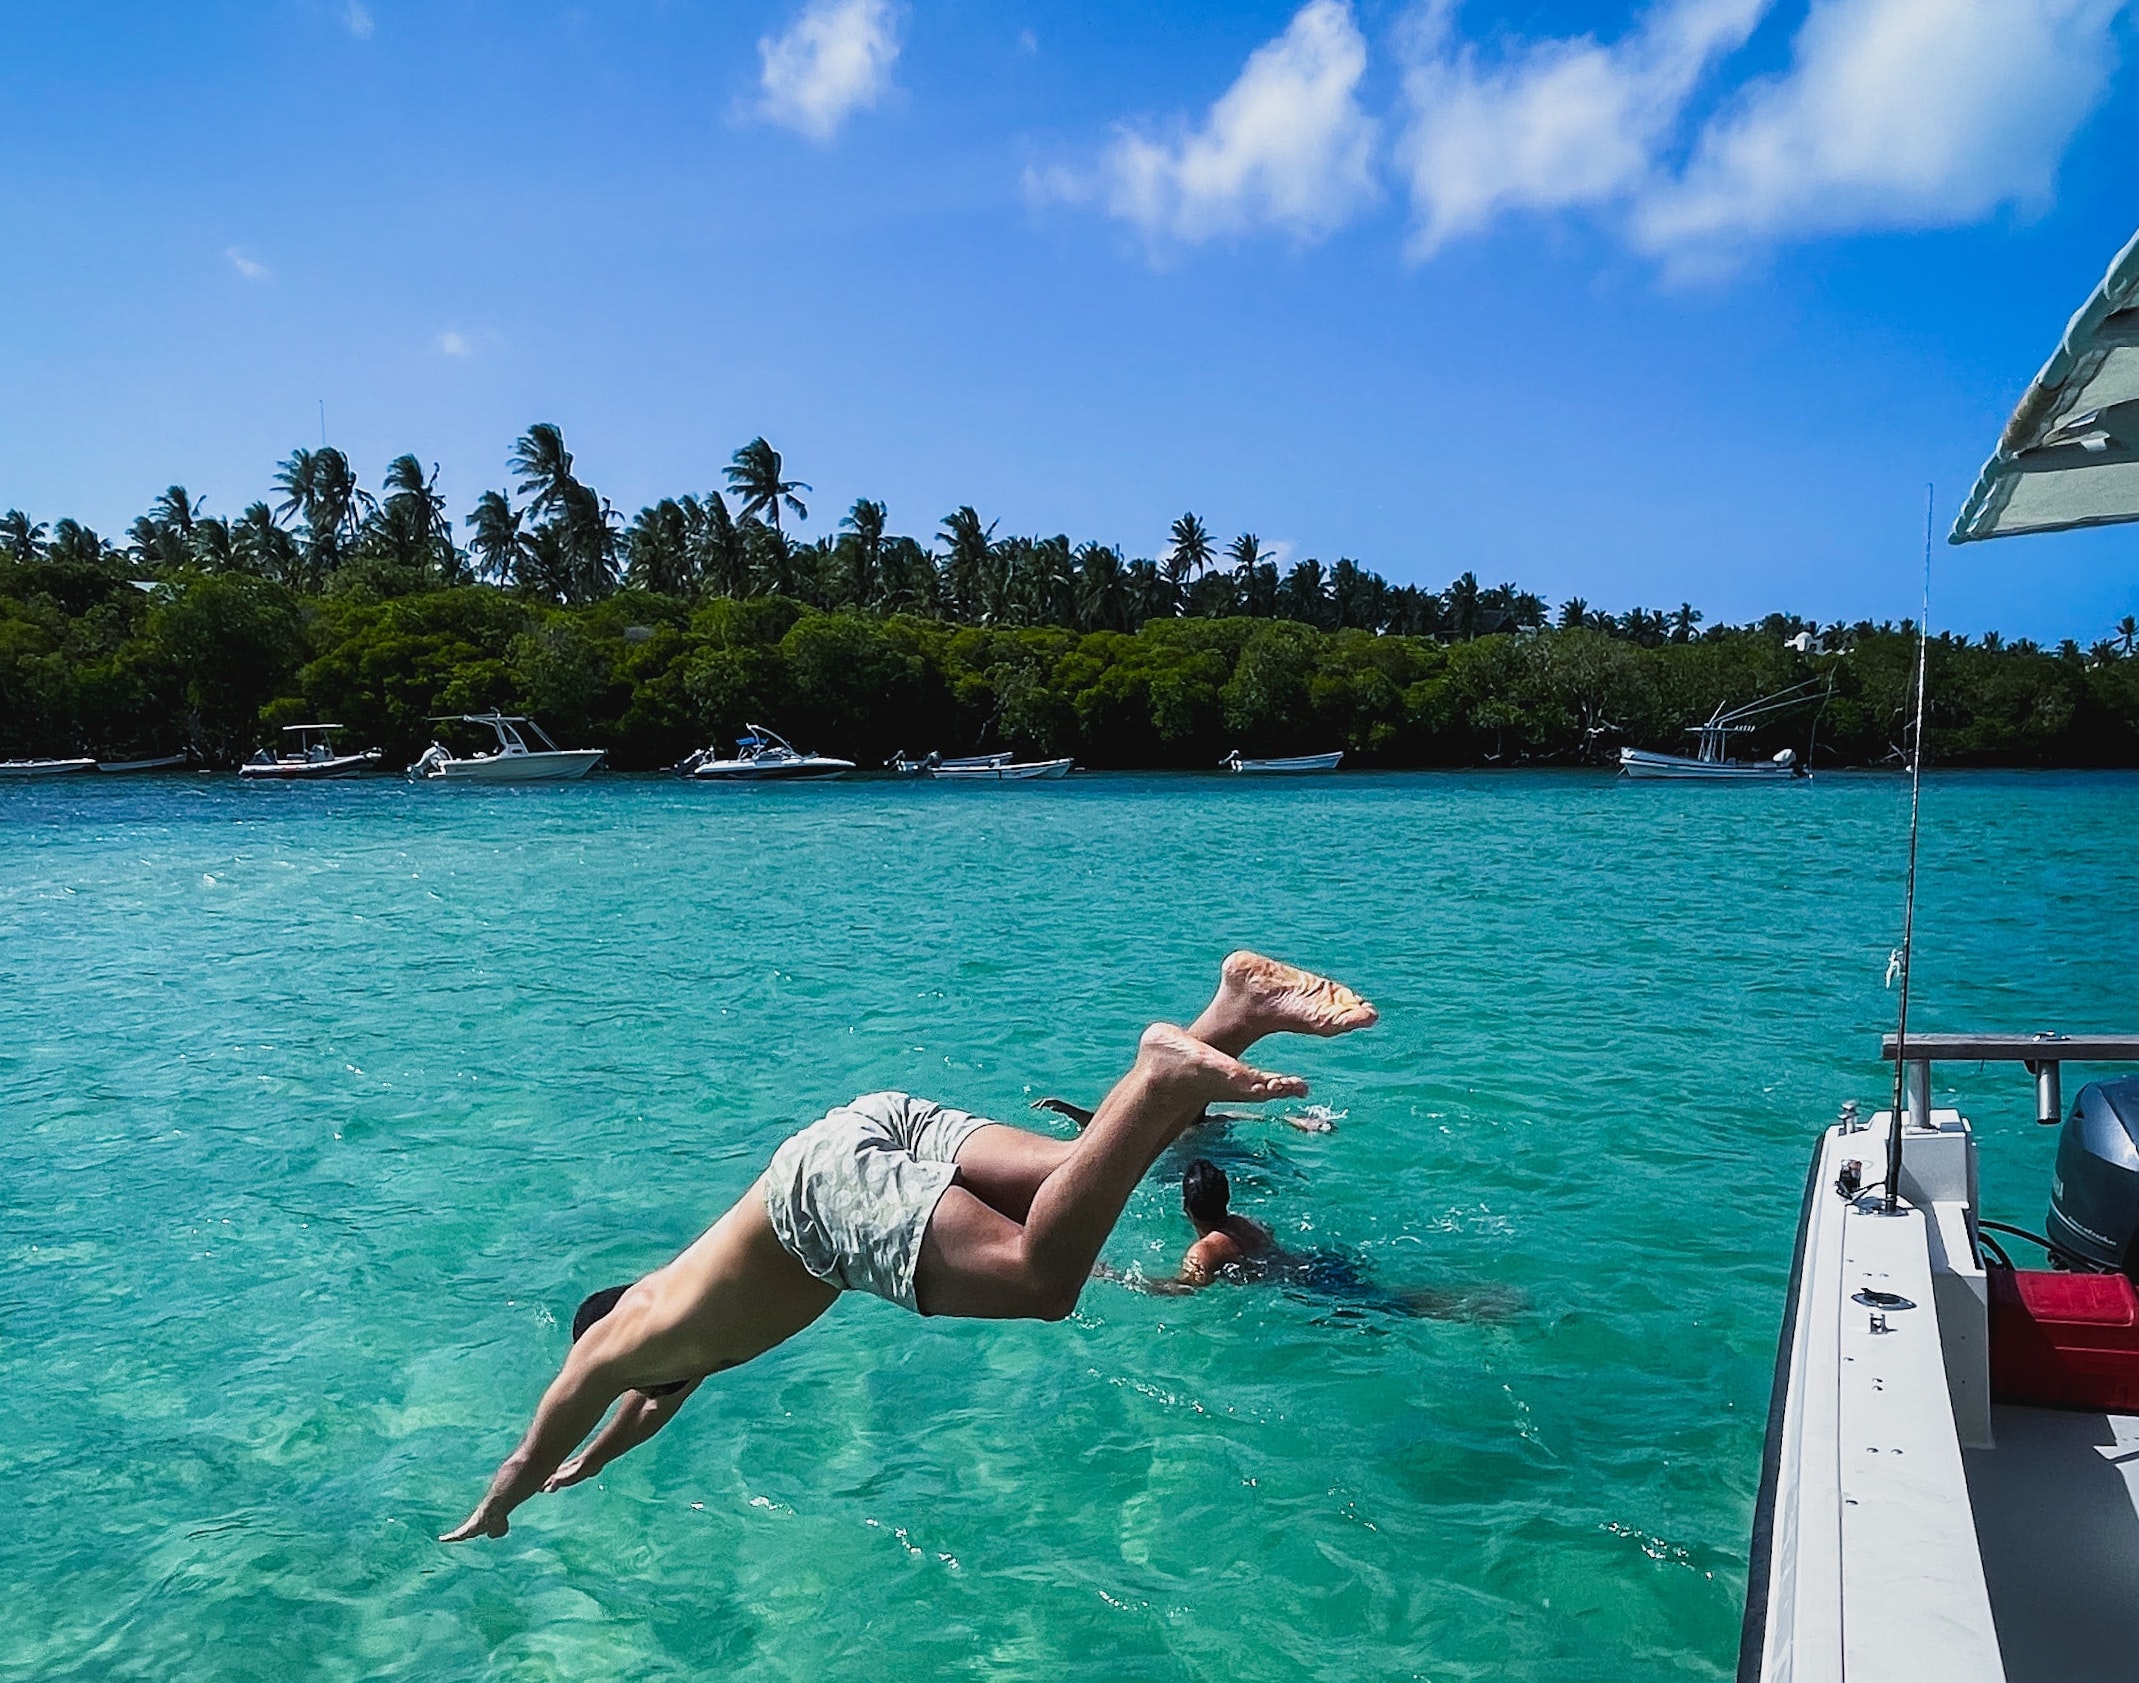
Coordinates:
[2070,454]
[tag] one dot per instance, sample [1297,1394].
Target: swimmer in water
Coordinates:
[938,1211]
[1232,1247]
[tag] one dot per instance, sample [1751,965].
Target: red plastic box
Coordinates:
[2064,1340]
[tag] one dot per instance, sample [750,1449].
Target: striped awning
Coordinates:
[2070,454]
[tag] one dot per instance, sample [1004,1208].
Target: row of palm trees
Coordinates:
[564,542]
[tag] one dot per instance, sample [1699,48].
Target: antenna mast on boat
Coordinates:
[1906,952]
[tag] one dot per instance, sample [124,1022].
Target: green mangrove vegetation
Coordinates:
[659,635]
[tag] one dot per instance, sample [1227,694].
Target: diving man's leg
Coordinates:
[976,1261]
[1004,1167]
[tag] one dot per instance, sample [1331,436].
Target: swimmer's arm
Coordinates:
[1178,1286]
[571,1408]
[637,1418]
[1062,1107]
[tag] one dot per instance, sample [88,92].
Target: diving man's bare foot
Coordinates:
[1259,996]
[1177,1059]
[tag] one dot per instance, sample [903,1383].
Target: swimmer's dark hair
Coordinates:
[593,1309]
[1205,1192]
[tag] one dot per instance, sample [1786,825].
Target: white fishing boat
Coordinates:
[1291,766]
[1950,1487]
[762,757]
[512,761]
[1710,761]
[1005,770]
[44,768]
[311,760]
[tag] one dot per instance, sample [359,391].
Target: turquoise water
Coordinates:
[324,1106]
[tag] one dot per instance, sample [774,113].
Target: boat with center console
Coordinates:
[512,760]
[1710,762]
[311,760]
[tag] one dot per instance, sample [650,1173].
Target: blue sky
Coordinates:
[1686,302]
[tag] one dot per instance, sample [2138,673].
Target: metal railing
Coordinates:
[2042,1053]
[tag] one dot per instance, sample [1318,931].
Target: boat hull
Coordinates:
[312,771]
[1642,764]
[1033,771]
[45,768]
[749,771]
[532,767]
[166,762]
[1296,765]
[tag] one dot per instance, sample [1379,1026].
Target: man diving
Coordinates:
[934,1209]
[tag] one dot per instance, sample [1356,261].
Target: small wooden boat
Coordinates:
[1293,766]
[44,768]
[512,761]
[313,760]
[762,757]
[927,763]
[1004,771]
[162,762]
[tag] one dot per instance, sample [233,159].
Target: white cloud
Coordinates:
[1555,124]
[357,19]
[1894,113]
[250,268]
[1286,146]
[451,343]
[834,59]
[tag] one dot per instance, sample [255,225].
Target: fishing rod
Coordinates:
[1906,951]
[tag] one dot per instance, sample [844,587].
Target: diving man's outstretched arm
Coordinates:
[638,1417]
[571,1408]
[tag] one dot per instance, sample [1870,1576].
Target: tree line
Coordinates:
[704,612]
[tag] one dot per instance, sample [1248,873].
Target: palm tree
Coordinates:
[659,552]
[1683,622]
[320,488]
[72,541]
[21,539]
[754,476]
[1152,595]
[971,549]
[163,537]
[1189,552]
[1463,606]
[214,545]
[263,548]
[722,564]
[1102,589]
[2127,630]
[496,539]
[417,529]
[1304,595]
[545,469]
[864,545]
[1253,592]
[1574,614]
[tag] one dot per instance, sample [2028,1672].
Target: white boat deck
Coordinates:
[2057,1517]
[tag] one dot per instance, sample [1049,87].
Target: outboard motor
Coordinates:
[2094,1201]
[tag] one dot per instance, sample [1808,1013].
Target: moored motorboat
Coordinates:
[1710,761]
[44,768]
[1293,765]
[1643,763]
[927,763]
[1005,770]
[312,760]
[762,757]
[512,761]
[161,762]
